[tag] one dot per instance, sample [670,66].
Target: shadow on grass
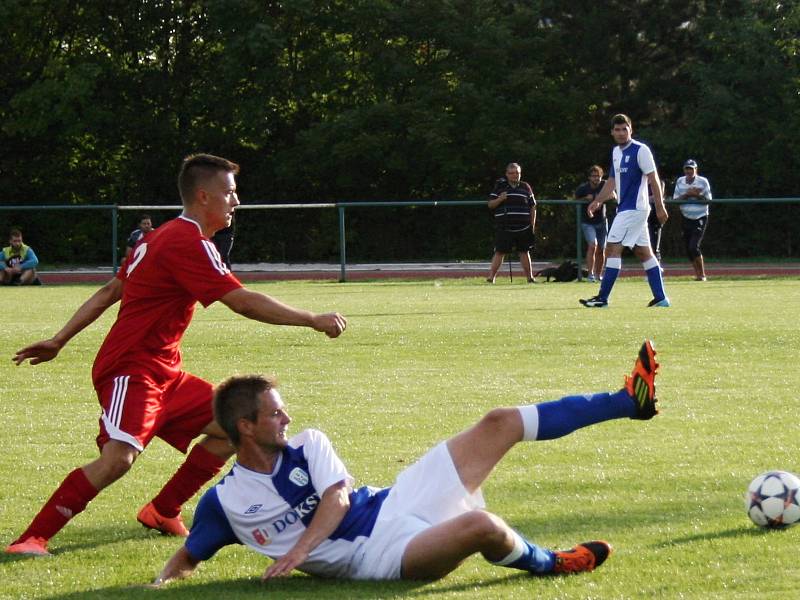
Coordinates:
[735,532]
[93,538]
[296,587]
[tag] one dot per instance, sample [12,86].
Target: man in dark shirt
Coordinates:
[594,227]
[514,208]
[145,227]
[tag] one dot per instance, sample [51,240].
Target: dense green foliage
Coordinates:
[389,100]
[420,361]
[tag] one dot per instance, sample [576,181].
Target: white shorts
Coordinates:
[425,494]
[630,229]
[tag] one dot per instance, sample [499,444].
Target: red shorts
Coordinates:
[135,409]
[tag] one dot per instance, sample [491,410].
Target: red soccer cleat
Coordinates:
[32,546]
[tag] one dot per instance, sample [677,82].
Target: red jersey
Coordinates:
[170,270]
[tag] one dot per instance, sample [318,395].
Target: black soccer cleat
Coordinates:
[594,302]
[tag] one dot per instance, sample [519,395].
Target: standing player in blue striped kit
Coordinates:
[293,501]
[632,171]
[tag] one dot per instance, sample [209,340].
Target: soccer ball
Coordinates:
[772,499]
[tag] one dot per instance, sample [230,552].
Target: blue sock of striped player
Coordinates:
[654,278]
[551,420]
[528,557]
[613,267]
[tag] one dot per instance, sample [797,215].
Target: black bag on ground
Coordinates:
[566,271]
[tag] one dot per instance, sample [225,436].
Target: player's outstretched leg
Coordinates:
[637,400]
[539,561]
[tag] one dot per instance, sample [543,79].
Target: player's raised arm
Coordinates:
[333,506]
[87,314]
[267,309]
[181,565]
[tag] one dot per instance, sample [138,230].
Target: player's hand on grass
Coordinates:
[285,564]
[331,324]
[38,353]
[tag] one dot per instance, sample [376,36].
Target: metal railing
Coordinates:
[341,207]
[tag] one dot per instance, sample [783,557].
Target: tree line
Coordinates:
[324,101]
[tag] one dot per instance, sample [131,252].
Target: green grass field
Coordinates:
[420,361]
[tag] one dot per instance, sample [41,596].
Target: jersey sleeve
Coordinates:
[199,268]
[676,193]
[325,466]
[706,188]
[210,529]
[497,189]
[531,199]
[645,159]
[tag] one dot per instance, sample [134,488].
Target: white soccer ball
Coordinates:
[772,499]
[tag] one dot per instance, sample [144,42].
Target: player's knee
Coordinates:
[483,526]
[116,461]
[498,419]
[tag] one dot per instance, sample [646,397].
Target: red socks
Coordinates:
[71,497]
[200,466]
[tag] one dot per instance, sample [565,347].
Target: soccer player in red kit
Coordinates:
[142,389]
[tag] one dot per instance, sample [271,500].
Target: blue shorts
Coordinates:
[595,233]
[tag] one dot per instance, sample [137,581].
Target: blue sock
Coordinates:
[562,417]
[529,557]
[655,279]
[612,269]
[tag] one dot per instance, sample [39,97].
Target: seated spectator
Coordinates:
[145,227]
[19,262]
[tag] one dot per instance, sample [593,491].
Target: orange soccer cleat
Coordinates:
[150,518]
[583,557]
[641,385]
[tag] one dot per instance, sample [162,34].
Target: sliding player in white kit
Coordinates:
[292,500]
[632,172]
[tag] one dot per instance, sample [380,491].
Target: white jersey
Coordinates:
[693,210]
[269,512]
[629,167]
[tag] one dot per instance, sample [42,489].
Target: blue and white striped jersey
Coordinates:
[269,512]
[629,167]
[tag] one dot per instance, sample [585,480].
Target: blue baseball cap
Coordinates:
[690,164]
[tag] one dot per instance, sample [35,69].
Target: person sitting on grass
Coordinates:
[19,262]
[292,499]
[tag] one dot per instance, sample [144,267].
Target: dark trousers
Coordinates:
[223,240]
[693,232]
[654,229]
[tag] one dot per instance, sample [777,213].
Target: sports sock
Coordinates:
[69,499]
[613,267]
[200,466]
[551,420]
[654,278]
[528,557]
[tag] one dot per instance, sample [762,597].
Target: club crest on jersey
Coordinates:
[627,158]
[298,477]
[253,509]
[261,537]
